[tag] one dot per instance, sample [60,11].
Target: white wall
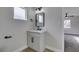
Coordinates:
[74,20]
[9,26]
[54,24]
[17,29]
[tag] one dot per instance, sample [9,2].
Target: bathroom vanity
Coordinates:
[35,39]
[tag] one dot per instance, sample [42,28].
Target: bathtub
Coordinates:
[71,42]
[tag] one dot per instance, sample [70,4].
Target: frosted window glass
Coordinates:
[19,13]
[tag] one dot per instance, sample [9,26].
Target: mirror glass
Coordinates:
[39,20]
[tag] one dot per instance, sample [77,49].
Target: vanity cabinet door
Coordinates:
[29,40]
[33,41]
[36,42]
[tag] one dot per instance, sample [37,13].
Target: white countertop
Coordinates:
[37,31]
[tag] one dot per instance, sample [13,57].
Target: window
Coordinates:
[67,23]
[19,13]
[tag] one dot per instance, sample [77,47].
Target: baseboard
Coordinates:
[20,49]
[53,49]
[48,47]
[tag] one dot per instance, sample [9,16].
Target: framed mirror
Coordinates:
[40,20]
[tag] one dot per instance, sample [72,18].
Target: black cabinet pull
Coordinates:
[32,40]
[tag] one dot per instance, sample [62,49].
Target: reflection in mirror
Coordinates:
[40,17]
[39,20]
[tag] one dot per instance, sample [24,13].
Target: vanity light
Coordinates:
[39,10]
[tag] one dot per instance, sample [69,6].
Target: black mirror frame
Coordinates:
[43,19]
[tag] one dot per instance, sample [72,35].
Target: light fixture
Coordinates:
[39,10]
[66,15]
